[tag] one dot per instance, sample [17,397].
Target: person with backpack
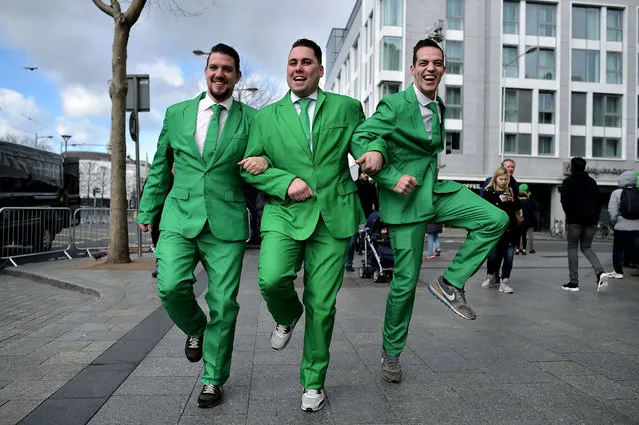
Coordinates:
[624,216]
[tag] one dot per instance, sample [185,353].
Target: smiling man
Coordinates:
[313,208]
[410,126]
[204,218]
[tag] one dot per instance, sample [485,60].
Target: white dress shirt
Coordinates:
[311,112]
[204,115]
[427,114]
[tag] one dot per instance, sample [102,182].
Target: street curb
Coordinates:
[51,281]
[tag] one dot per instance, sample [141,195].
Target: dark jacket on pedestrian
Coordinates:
[527,211]
[511,235]
[580,199]
[367,192]
[434,228]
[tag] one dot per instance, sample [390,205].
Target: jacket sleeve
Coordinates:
[373,134]
[158,182]
[613,206]
[273,181]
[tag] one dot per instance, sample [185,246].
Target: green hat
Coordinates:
[524,188]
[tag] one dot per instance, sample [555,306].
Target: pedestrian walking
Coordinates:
[623,208]
[434,248]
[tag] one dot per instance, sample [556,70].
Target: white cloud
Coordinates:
[170,73]
[79,101]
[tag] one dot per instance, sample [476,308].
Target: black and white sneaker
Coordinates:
[210,396]
[281,334]
[574,287]
[313,400]
[452,297]
[193,348]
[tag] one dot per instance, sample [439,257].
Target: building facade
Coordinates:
[536,81]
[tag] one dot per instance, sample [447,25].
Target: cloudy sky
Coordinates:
[69,41]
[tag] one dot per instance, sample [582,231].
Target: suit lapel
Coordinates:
[288,114]
[230,127]
[416,113]
[189,116]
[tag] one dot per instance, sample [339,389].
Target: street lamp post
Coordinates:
[66,138]
[503,99]
[41,137]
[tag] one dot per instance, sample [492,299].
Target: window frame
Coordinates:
[454,111]
[614,30]
[453,21]
[552,144]
[513,22]
[454,65]
[545,112]
[383,53]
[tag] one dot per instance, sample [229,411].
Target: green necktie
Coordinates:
[435,126]
[306,124]
[213,132]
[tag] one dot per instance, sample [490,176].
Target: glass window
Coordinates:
[541,19]
[606,147]
[578,108]
[546,107]
[454,103]
[585,22]
[392,12]
[391,54]
[387,88]
[455,14]
[518,105]
[546,145]
[453,140]
[613,68]
[511,17]
[606,110]
[614,25]
[510,62]
[517,144]
[356,55]
[585,65]
[356,88]
[577,146]
[540,64]
[454,57]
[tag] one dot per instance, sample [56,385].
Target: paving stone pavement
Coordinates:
[539,356]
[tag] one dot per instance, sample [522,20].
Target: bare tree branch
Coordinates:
[103,7]
[133,12]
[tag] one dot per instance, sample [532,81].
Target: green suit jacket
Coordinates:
[396,129]
[202,190]
[276,134]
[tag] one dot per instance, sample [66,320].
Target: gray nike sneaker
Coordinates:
[391,368]
[452,297]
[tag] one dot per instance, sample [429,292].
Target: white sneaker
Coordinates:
[504,287]
[313,400]
[615,275]
[602,283]
[281,334]
[490,281]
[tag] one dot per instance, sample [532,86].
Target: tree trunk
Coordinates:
[118,226]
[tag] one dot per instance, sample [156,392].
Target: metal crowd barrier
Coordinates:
[29,231]
[91,231]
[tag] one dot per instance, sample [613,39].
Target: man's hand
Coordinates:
[405,185]
[145,227]
[298,190]
[371,162]
[254,164]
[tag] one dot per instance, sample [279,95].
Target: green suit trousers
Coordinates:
[323,256]
[177,257]
[462,209]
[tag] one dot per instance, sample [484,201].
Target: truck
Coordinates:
[31,177]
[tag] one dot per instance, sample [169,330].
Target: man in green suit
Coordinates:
[312,212]
[204,218]
[410,125]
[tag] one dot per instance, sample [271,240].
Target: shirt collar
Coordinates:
[421,98]
[295,98]
[207,102]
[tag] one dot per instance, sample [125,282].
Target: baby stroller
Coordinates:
[378,259]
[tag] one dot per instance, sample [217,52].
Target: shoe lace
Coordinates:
[312,392]
[194,342]
[391,361]
[209,389]
[282,329]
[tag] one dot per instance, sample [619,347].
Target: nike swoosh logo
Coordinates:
[449,297]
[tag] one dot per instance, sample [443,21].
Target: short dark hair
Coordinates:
[508,160]
[305,42]
[577,164]
[426,42]
[227,50]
